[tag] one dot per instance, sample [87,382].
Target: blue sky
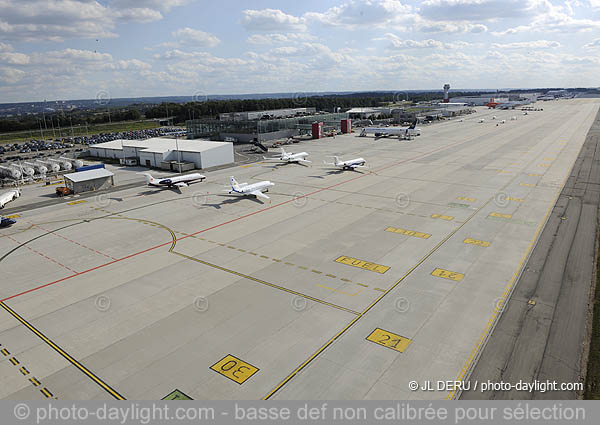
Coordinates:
[66,49]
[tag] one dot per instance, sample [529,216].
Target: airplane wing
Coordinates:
[357,166]
[181,184]
[259,194]
[304,161]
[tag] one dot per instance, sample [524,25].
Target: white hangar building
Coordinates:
[156,151]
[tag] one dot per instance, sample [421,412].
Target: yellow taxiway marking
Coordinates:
[447,274]
[272,285]
[528,184]
[12,216]
[476,242]
[14,361]
[24,371]
[408,232]
[515,199]
[370,306]
[495,214]
[544,165]
[338,291]
[362,264]
[59,350]
[5,352]
[246,166]
[507,291]
[35,382]
[235,369]
[389,340]
[462,198]
[443,217]
[549,159]
[45,391]
[81,201]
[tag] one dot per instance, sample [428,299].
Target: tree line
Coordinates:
[209,109]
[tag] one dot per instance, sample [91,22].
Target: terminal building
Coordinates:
[269,114]
[263,129]
[161,152]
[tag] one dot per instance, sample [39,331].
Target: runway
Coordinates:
[348,285]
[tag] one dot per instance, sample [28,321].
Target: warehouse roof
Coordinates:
[161,144]
[83,176]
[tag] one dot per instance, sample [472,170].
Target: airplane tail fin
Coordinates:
[413,125]
[336,159]
[283,152]
[234,184]
[148,176]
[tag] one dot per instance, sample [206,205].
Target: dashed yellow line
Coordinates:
[63,353]
[272,285]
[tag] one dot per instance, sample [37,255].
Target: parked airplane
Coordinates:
[347,165]
[392,131]
[9,196]
[178,181]
[299,158]
[255,189]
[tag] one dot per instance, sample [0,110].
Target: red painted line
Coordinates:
[42,255]
[76,243]
[219,225]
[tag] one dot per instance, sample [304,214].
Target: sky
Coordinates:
[86,49]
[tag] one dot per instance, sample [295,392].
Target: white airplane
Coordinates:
[255,189]
[299,158]
[178,181]
[347,165]
[9,196]
[393,131]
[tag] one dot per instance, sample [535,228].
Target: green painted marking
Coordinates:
[177,395]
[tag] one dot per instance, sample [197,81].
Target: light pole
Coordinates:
[178,154]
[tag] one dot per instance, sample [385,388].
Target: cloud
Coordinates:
[475,10]
[279,38]
[14,58]
[58,20]
[548,17]
[537,44]
[4,47]
[399,43]
[10,75]
[364,13]
[593,44]
[449,27]
[195,37]
[271,20]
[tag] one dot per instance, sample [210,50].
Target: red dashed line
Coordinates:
[223,224]
[76,243]
[43,255]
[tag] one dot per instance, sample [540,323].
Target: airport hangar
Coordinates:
[157,152]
